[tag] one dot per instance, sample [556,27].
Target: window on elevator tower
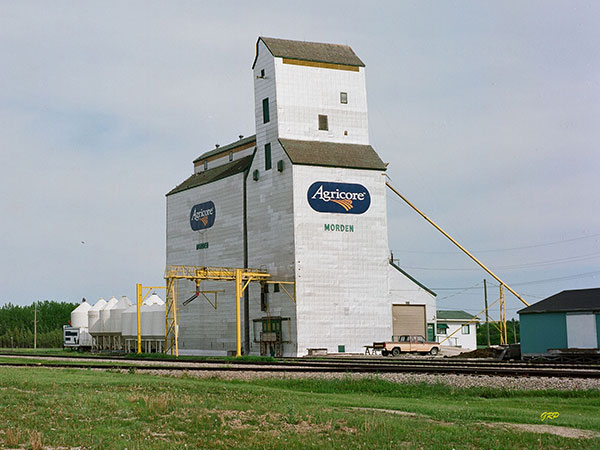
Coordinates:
[267,156]
[265,105]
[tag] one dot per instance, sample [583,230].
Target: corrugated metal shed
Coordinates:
[569,319]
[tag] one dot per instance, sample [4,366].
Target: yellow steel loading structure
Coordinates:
[241,277]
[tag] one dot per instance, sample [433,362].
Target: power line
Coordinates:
[518,266]
[507,249]
[568,277]
[460,292]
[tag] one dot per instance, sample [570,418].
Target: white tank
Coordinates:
[158,319]
[79,316]
[129,322]
[105,312]
[94,323]
[116,315]
[153,300]
[146,317]
[129,318]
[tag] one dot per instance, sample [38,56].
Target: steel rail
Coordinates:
[326,362]
[412,368]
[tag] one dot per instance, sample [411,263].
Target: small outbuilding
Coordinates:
[567,320]
[454,329]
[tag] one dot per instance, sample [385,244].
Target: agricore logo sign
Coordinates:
[343,198]
[202,216]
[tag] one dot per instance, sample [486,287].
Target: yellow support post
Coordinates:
[503,334]
[238,325]
[138,301]
[171,325]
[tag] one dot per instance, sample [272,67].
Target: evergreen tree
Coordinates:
[16,322]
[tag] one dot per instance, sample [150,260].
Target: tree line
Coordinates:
[512,328]
[16,324]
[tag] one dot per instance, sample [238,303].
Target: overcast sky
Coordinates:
[488,113]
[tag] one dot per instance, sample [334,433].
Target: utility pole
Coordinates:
[515,329]
[487,317]
[34,324]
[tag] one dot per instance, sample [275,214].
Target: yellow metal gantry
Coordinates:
[241,277]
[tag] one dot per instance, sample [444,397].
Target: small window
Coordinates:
[268,156]
[441,330]
[205,164]
[266,117]
[231,156]
[276,287]
[344,98]
[465,329]
[323,125]
[262,73]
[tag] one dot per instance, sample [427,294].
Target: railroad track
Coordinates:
[328,361]
[307,366]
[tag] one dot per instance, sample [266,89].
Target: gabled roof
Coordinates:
[226,148]
[412,279]
[567,301]
[311,51]
[454,315]
[332,154]
[208,176]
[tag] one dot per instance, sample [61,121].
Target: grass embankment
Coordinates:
[68,353]
[91,409]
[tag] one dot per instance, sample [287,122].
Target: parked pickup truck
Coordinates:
[407,344]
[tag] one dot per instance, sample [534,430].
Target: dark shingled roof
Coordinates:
[567,301]
[312,51]
[208,176]
[454,315]
[332,154]
[226,148]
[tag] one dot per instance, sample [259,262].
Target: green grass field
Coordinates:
[93,409]
[69,353]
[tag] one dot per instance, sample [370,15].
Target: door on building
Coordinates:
[581,331]
[430,332]
[408,319]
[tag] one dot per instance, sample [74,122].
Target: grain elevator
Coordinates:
[305,200]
